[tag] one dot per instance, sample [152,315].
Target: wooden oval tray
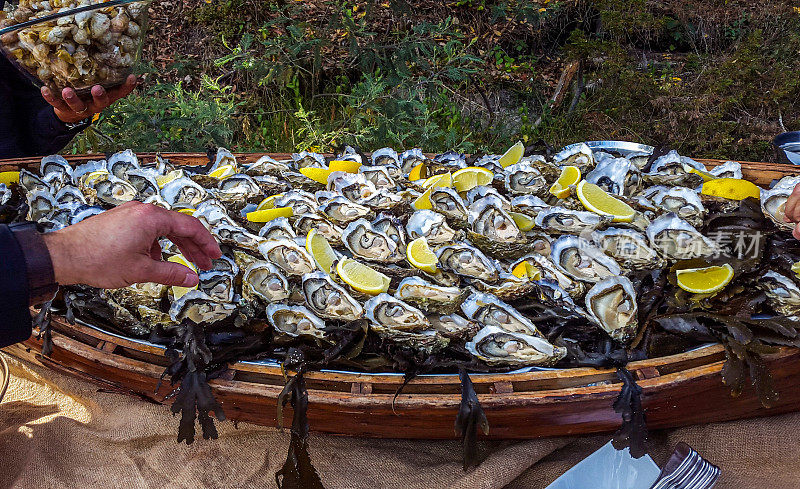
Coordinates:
[678,390]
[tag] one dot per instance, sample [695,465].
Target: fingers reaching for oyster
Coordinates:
[516,273]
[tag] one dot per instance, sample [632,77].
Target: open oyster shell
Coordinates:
[496,346]
[491,311]
[468,261]
[364,241]
[295,321]
[581,260]
[265,281]
[287,256]
[676,239]
[200,308]
[390,312]
[611,303]
[328,299]
[430,297]
[430,225]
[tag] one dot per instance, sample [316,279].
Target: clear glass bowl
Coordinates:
[78,50]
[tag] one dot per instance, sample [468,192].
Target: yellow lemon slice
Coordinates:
[268,203]
[524,223]
[344,165]
[162,180]
[317,174]
[512,155]
[223,172]
[731,188]
[570,175]
[361,277]
[441,180]
[796,269]
[188,211]
[524,269]
[706,175]
[267,215]
[318,247]
[417,173]
[705,280]
[471,177]
[9,177]
[178,292]
[91,177]
[421,256]
[599,201]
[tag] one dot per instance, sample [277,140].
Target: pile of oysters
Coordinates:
[583,264]
[77,50]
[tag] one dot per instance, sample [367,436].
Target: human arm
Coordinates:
[116,248]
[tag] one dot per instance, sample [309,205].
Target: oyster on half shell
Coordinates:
[676,239]
[468,261]
[611,303]
[496,346]
[200,308]
[295,321]
[328,299]
[430,297]
[364,241]
[582,260]
[390,312]
[266,282]
[491,311]
[287,256]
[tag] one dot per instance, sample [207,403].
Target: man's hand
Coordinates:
[792,210]
[71,109]
[120,247]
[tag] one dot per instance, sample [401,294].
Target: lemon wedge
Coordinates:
[796,268]
[188,211]
[162,180]
[9,177]
[268,203]
[524,223]
[178,292]
[471,177]
[441,180]
[318,247]
[706,175]
[361,277]
[267,215]
[223,172]
[570,175]
[731,188]
[417,173]
[599,201]
[705,280]
[317,174]
[512,155]
[348,166]
[424,200]
[91,177]
[524,269]
[420,255]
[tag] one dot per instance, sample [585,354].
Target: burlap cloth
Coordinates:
[60,432]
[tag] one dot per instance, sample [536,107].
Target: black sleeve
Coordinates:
[46,134]
[15,319]
[39,131]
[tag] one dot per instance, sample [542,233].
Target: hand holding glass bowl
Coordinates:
[83,59]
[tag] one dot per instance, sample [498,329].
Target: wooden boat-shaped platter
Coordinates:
[678,390]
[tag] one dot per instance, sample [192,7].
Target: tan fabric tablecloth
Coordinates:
[60,432]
